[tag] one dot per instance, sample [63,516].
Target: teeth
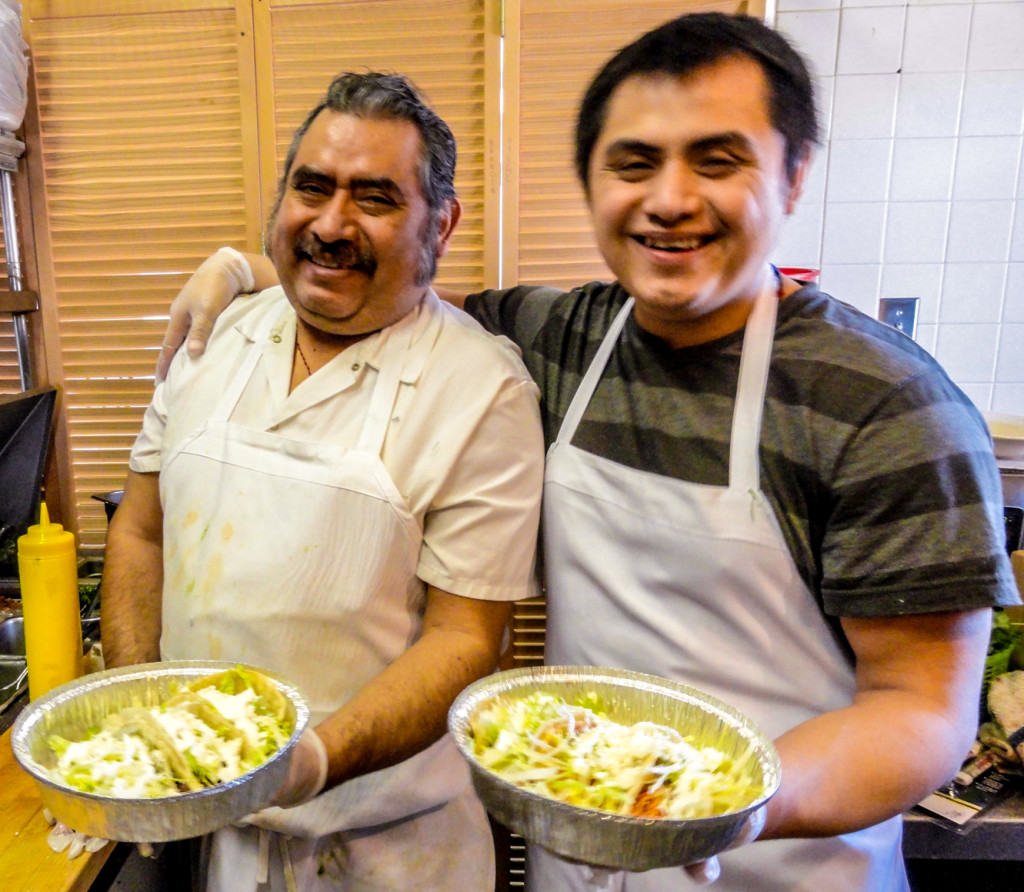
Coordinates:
[664,244]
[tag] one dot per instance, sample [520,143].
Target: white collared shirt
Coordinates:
[464,446]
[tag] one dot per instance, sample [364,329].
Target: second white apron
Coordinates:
[696,583]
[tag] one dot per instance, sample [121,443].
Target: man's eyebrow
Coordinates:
[307,173]
[384,184]
[627,146]
[729,139]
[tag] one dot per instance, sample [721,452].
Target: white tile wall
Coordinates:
[1017,240]
[863,106]
[968,351]
[870,40]
[1013,307]
[922,169]
[1010,367]
[983,281]
[916,232]
[919,188]
[979,230]
[853,232]
[858,169]
[986,167]
[993,103]
[936,38]
[929,104]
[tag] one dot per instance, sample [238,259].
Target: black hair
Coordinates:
[694,41]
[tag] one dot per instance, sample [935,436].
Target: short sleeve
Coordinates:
[146,455]
[916,524]
[480,535]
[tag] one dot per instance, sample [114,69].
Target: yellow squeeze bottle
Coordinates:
[48,569]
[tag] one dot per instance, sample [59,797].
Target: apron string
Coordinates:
[755,360]
[385,390]
[588,385]
[234,391]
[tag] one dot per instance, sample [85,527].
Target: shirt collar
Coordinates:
[369,351]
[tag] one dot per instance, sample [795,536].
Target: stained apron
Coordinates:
[301,557]
[696,583]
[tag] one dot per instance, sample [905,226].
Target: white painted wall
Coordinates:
[918,190]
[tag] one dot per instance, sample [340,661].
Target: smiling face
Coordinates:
[352,237]
[687,192]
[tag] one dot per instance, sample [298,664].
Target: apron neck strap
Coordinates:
[234,391]
[385,391]
[755,359]
[588,385]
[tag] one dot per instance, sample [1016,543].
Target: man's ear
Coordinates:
[796,181]
[447,220]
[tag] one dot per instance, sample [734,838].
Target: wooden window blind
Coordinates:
[554,48]
[446,47]
[161,129]
[140,153]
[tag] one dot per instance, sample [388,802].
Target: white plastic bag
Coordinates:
[13,67]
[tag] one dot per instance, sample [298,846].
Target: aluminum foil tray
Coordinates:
[73,709]
[598,837]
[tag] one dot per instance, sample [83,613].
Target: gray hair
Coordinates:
[390,97]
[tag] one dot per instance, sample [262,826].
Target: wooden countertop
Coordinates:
[27,863]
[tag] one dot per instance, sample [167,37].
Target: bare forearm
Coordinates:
[404,709]
[132,584]
[849,769]
[911,722]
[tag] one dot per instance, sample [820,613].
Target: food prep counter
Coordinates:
[995,835]
[26,861]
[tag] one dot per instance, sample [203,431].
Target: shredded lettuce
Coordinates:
[174,748]
[574,753]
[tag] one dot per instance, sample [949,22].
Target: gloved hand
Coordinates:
[62,838]
[307,774]
[703,873]
[210,289]
[307,771]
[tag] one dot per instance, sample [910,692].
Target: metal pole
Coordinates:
[14,276]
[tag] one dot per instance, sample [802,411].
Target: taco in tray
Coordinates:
[215,730]
[138,722]
[234,681]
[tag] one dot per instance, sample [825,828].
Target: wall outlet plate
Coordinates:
[900,313]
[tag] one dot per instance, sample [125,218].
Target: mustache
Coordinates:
[342,254]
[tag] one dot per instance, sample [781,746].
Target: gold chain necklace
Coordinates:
[302,356]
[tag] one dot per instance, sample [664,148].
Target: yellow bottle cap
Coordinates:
[45,539]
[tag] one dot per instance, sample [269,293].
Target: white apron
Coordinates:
[695,583]
[301,557]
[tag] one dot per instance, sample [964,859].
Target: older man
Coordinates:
[750,486]
[322,495]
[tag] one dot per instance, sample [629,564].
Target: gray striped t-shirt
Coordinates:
[879,469]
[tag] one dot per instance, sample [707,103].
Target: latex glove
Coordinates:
[704,873]
[209,290]
[307,775]
[62,838]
